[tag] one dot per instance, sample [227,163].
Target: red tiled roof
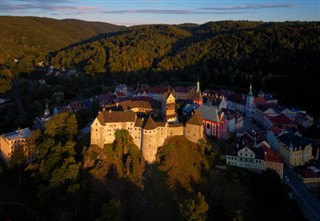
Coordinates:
[280,119]
[275,130]
[271,156]
[265,106]
[181,89]
[309,174]
[259,100]
[120,94]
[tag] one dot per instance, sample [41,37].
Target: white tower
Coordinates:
[250,111]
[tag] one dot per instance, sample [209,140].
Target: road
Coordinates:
[306,200]
[308,203]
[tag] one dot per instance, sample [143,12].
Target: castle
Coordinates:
[147,133]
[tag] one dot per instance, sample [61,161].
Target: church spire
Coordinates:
[250,89]
[46,111]
[198,86]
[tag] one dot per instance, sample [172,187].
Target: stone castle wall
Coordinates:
[147,141]
[149,145]
[193,132]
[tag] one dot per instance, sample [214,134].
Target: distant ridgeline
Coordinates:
[278,57]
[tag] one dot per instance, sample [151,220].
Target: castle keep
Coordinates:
[147,133]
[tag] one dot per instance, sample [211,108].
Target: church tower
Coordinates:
[46,111]
[198,98]
[169,106]
[250,109]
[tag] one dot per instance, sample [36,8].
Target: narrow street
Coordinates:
[306,200]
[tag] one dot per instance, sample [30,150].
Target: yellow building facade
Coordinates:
[10,141]
[294,150]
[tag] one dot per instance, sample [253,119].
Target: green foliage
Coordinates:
[121,160]
[5,80]
[56,171]
[18,156]
[194,208]
[34,36]
[62,127]
[183,162]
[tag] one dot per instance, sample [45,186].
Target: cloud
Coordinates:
[59,7]
[166,11]
[249,6]
[48,7]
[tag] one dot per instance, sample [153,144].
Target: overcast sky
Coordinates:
[132,12]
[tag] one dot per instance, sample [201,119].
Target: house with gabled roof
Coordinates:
[251,151]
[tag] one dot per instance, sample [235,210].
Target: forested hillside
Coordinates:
[35,37]
[277,57]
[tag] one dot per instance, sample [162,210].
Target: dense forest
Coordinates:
[281,58]
[32,38]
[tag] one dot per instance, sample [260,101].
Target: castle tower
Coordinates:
[198,99]
[149,142]
[250,109]
[169,106]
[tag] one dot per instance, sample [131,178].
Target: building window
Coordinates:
[208,126]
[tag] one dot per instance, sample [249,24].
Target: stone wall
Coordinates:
[149,144]
[174,130]
[193,132]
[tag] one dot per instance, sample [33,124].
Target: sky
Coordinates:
[133,12]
